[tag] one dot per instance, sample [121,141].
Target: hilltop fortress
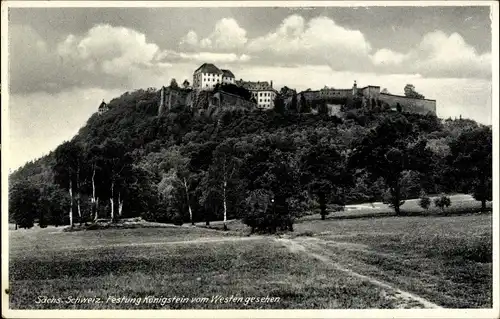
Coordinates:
[204,96]
[370,98]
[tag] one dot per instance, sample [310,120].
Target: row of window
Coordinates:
[262,94]
[208,80]
[264,100]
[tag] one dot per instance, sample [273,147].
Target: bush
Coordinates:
[442,202]
[264,214]
[178,220]
[424,202]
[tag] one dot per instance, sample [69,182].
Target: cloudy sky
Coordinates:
[64,61]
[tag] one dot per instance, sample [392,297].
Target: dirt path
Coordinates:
[403,299]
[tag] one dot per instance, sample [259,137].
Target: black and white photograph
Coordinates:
[272,158]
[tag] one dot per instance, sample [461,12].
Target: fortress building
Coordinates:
[263,92]
[370,97]
[207,76]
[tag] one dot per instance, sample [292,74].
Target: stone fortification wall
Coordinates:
[421,106]
[228,100]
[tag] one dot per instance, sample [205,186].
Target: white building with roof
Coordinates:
[263,92]
[207,76]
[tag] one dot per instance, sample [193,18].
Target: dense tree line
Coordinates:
[266,168]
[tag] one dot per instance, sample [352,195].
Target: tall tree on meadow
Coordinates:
[224,171]
[324,171]
[53,204]
[471,161]
[24,200]
[95,161]
[117,163]
[67,169]
[177,165]
[389,150]
[271,169]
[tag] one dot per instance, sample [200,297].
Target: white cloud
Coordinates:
[113,50]
[388,57]
[319,41]
[191,38]
[440,54]
[227,35]
[437,55]
[215,57]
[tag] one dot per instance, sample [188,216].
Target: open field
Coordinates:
[389,262]
[460,204]
[445,259]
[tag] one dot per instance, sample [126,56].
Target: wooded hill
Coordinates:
[265,167]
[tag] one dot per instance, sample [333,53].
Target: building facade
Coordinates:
[207,76]
[228,77]
[262,92]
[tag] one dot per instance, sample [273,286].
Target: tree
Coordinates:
[442,202]
[117,165]
[24,203]
[279,105]
[410,92]
[286,91]
[53,204]
[223,173]
[470,161]
[304,105]
[67,168]
[293,104]
[323,109]
[385,91]
[173,84]
[95,162]
[178,166]
[323,171]
[424,201]
[271,167]
[185,84]
[389,150]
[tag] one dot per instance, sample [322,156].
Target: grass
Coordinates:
[447,260]
[61,266]
[460,204]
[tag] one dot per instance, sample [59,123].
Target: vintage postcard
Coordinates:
[267,159]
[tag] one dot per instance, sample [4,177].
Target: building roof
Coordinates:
[208,68]
[255,86]
[227,74]
[103,105]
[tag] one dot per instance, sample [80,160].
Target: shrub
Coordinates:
[264,214]
[178,220]
[425,201]
[442,202]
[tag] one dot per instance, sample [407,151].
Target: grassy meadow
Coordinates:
[354,263]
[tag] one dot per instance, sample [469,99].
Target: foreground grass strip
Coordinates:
[405,297]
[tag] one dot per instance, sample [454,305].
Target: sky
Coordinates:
[64,61]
